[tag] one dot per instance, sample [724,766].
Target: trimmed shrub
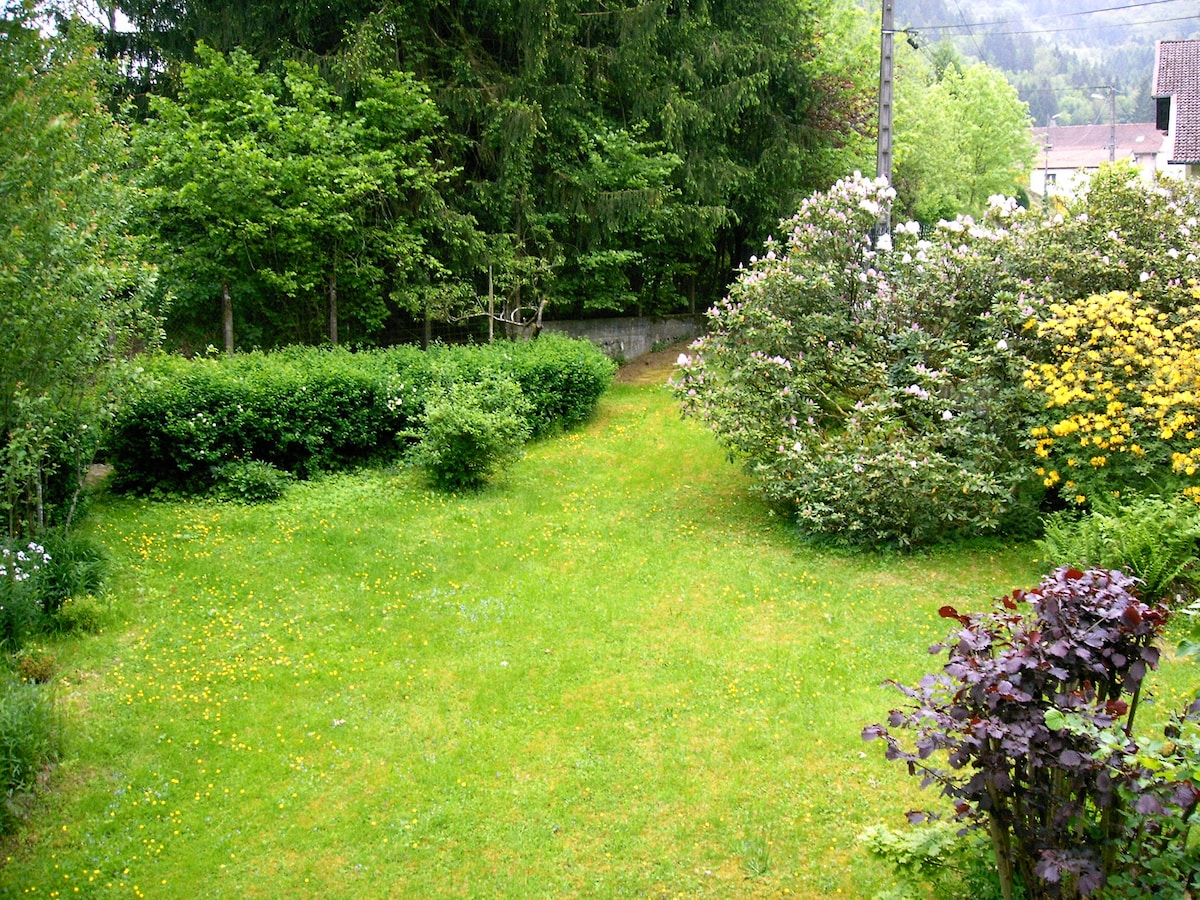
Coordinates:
[561,378]
[306,410]
[303,412]
[471,430]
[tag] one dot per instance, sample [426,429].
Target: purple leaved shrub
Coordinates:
[1028,730]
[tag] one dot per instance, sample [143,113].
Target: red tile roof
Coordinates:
[1086,146]
[1177,75]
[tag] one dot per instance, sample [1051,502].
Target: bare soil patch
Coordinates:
[652,368]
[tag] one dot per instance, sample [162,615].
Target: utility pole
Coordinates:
[1112,124]
[887,59]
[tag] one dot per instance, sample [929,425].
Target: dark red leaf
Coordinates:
[949,612]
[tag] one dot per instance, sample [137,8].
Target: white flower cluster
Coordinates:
[19,565]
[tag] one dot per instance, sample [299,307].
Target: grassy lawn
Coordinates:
[610,675]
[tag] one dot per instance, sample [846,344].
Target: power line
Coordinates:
[1085,12]
[1095,27]
[978,49]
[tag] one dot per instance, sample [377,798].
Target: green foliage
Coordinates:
[307,411]
[78,567]
[934,860]
[626,157]
[29,741]
[80,614]
[470,430]
[962,135]
[1156,539]
[862,384]
[617,159]
[301,206]
[73,297]
[250,481]
[906,389]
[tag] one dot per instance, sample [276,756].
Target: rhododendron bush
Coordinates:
[877,386]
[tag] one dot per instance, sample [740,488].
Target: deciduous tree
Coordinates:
[73,297]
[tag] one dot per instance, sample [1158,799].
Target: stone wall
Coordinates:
[629,338]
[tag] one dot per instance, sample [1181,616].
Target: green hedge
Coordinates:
[310,410]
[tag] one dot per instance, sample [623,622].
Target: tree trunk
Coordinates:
[1003,848]
[427,335]
[227,316]
[333,309]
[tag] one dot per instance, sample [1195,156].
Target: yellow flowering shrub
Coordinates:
[1122,395]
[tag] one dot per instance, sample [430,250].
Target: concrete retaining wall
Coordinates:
[629,338]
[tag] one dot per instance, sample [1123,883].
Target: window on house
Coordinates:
[1162,113]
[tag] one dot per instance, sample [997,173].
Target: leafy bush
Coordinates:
[1034,713]
[76,567]
[934,860]
[306,411]
[1156,539]
[28,742]
[80,614]
[471,430]
[34,664]
[250,481]
[862,382]
[20,609]
[880,389]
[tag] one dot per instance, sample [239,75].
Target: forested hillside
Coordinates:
[1058,53]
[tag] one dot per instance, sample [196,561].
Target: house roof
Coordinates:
[1086,146]
[1177,75]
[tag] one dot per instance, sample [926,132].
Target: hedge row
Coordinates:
[312,410]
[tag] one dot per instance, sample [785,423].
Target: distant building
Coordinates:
[1070,154]
[1177,94]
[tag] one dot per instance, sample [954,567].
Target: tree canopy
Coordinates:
[591,157]
[73,296]
[268,193]
[962,136]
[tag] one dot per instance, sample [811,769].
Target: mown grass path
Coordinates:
[610,675]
